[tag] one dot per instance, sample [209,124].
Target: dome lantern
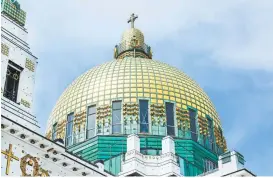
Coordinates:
[132,43]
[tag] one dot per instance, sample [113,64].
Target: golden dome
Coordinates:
[128,80]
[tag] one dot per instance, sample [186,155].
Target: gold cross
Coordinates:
[10,156]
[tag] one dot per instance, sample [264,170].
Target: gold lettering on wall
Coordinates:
[29,160]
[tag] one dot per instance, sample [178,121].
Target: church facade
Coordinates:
[132,116]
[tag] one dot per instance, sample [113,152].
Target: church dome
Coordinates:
[130,34]
[129,79]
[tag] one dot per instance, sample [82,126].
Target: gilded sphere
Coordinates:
[129,80]
[132,34]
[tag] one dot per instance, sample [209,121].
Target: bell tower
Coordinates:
[18,66]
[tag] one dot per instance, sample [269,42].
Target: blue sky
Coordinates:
[226,46]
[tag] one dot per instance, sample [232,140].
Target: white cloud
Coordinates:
[240,32]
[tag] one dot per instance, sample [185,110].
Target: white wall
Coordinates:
[22,147]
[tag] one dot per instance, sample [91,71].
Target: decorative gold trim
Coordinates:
[4,49]
[25,103]
[29,65]
[130,112]
[103,116]
[49,134]
[61,129]
[183,118]
[203,125]
[158,114]
[131,53]
[80,119]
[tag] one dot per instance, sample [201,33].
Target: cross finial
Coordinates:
[132,19]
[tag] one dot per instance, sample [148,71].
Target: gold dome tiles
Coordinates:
[129,80]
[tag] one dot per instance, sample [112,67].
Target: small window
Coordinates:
[54,132]
[241,159]
[209,165]
[170,118]
[116,117]
[144,112]
[226,160]
[192,114]
[150,151]
[69,129]
[211,134]
[91,122]
[12,81]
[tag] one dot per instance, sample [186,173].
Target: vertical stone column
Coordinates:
[133,143]
[230,162]
[168,145]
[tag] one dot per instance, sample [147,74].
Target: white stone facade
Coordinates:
[29,147]
[230,164]
[135,163]
[14,38]
[24,152]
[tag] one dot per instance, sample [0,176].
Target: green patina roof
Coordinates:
[110,149]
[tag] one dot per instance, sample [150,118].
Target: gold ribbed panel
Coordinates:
[130,79]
